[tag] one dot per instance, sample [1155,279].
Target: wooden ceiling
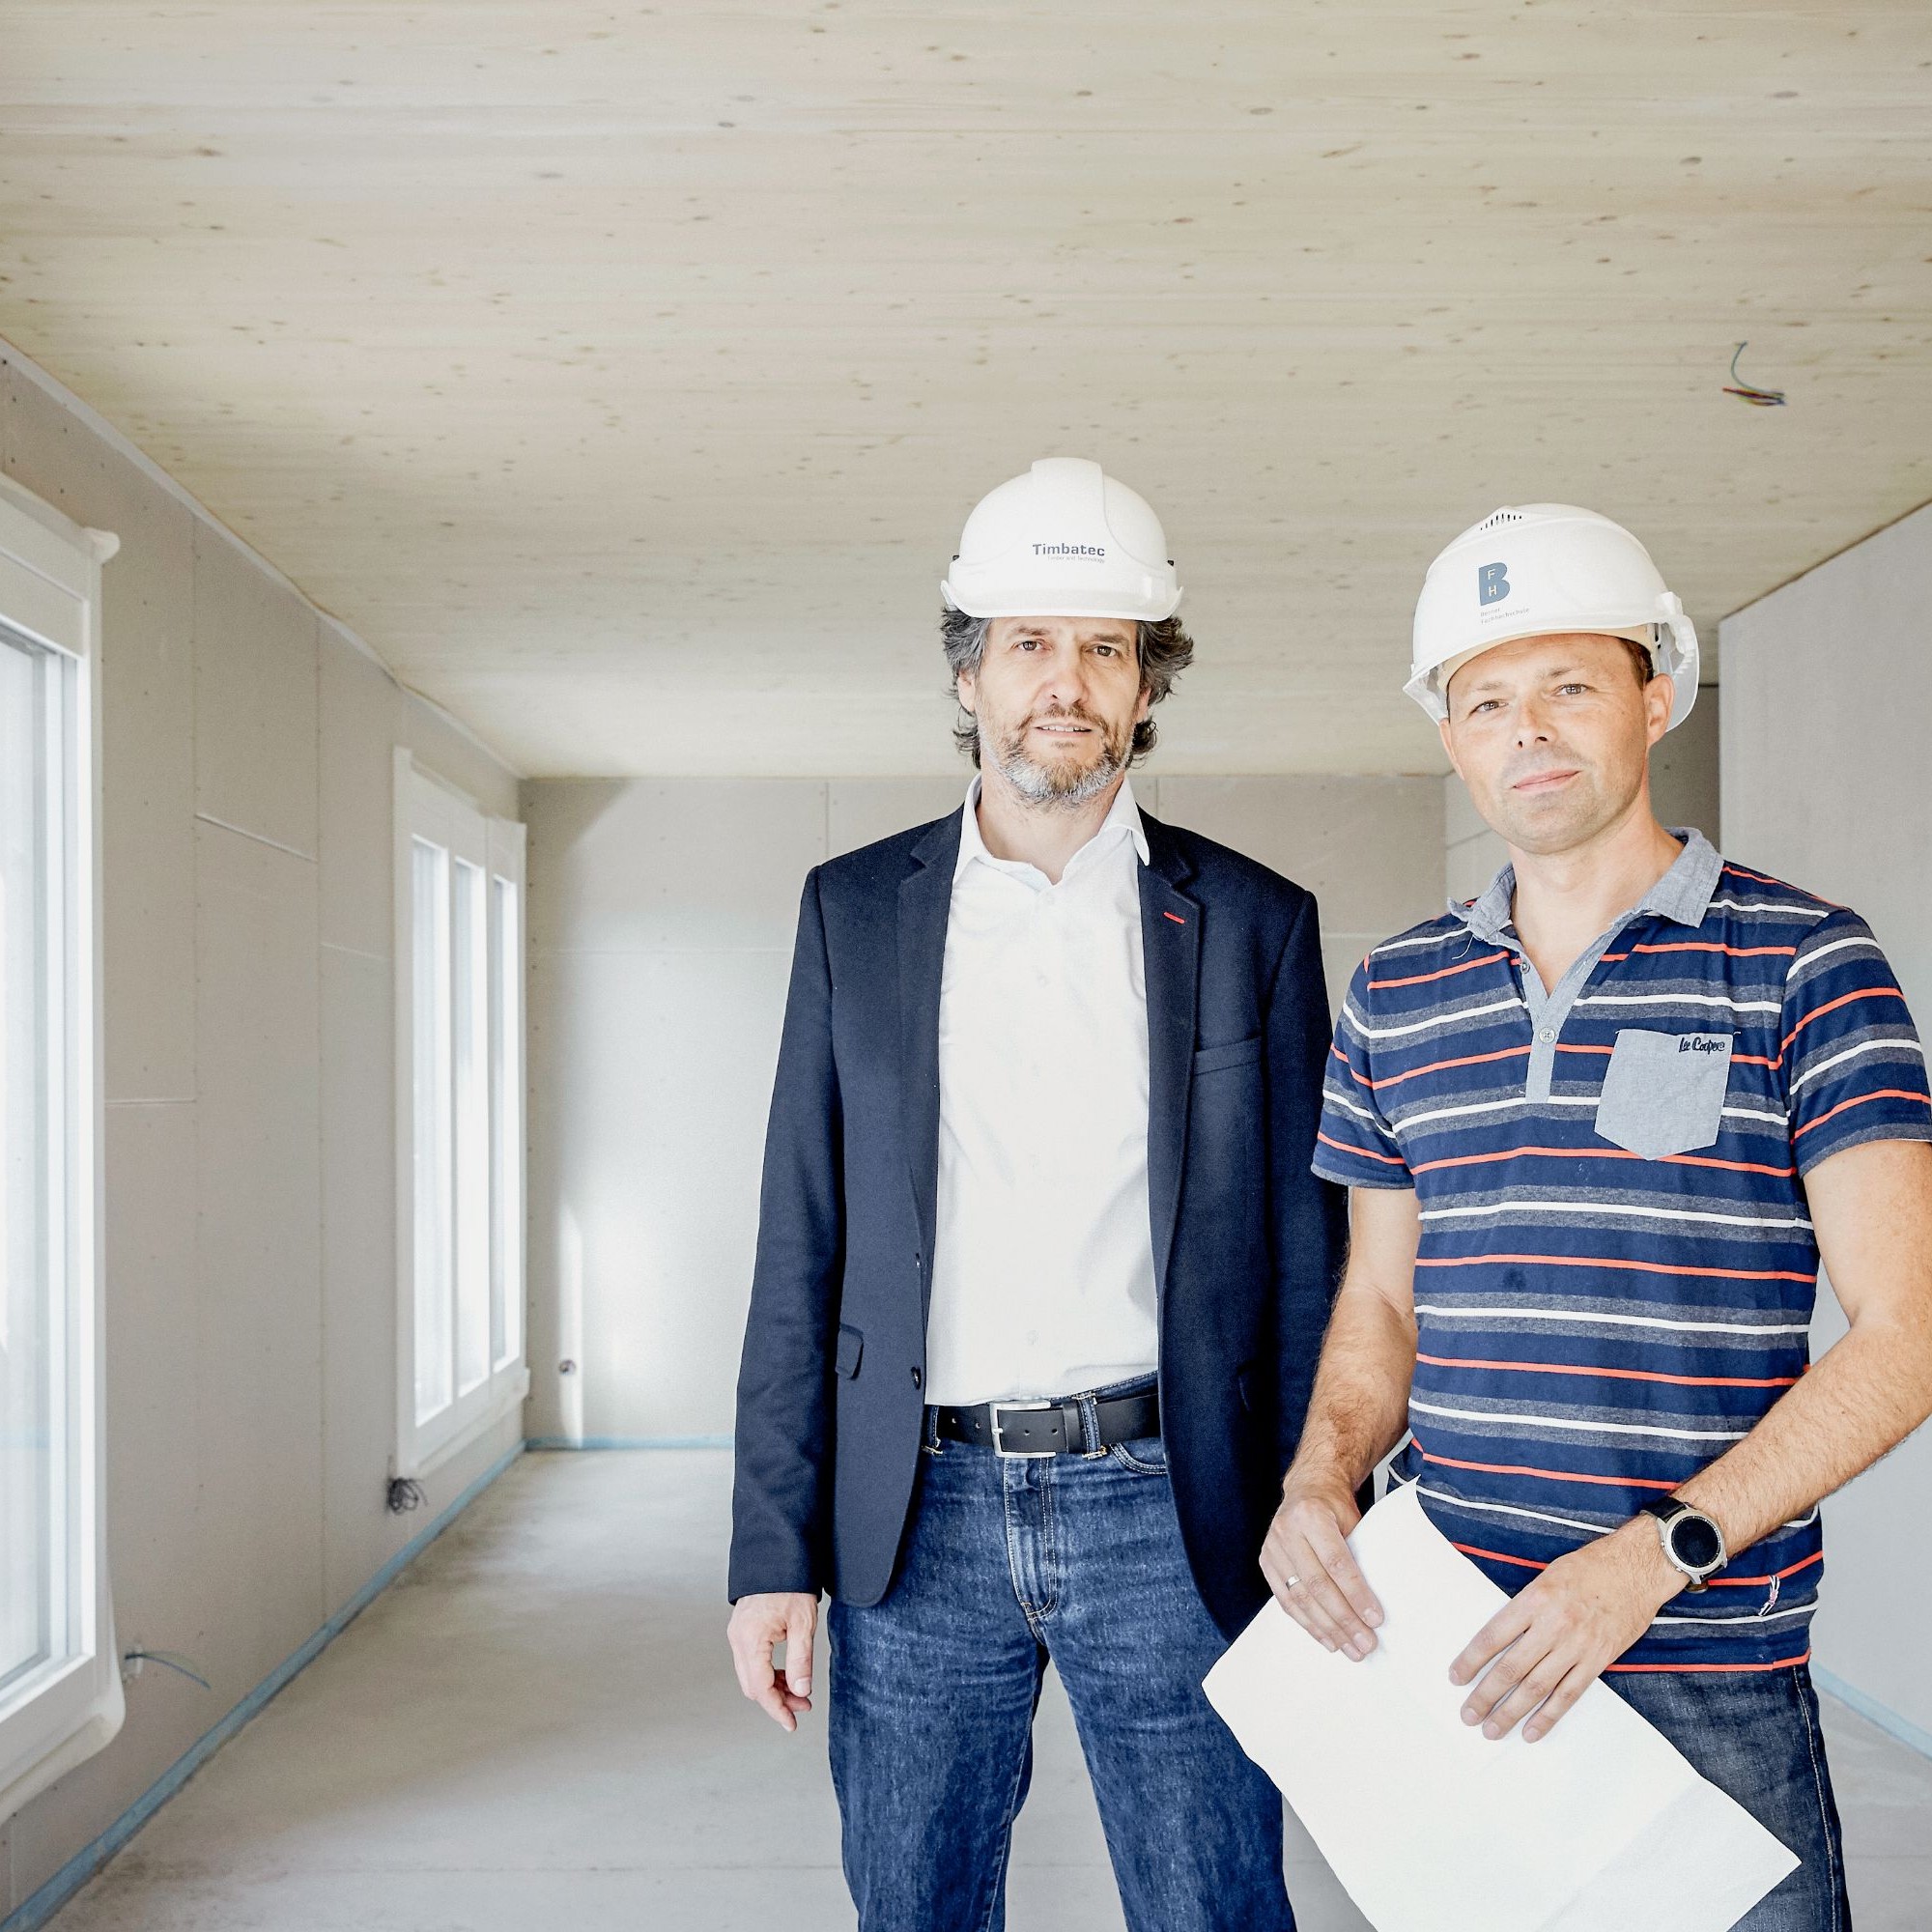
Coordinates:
[623,375]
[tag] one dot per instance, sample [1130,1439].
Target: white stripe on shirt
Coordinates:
[1577,1428]
[1679,1000]
[1583,1316]
[1906,1046]
[1611,1207]
[1442,1019]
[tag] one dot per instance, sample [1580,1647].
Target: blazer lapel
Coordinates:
[1170,946]
[925,900]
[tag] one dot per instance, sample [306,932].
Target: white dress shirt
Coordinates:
[1042,1280]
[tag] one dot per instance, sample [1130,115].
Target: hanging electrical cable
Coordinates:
[167,1658]
[1749,392]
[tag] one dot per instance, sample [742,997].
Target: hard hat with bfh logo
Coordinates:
[1539,568]
[1064,540]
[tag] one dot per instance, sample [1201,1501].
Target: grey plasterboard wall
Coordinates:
[661,915]
[1827,685]
[250,1180]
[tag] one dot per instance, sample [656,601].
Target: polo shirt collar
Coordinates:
[1683,892]
[1124,819]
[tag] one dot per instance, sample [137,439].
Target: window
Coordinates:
[60,1684]
[460,1113]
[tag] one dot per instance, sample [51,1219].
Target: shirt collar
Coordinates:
[1123,820]
[1683,893]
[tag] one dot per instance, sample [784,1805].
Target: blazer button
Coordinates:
[917,1379]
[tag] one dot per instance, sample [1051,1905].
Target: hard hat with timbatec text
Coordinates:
[1064,540]
[1535,569]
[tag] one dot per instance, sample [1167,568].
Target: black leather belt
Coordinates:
[1050,1428]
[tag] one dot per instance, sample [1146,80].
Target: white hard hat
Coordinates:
[1064,540]
[1541,568]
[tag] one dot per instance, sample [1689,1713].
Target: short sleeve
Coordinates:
[1356,1145]
[1853,1068]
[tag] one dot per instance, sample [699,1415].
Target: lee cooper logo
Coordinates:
[1492,583]
[1699,1043]
[1069,549]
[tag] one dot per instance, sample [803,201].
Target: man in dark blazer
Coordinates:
[1042,1270]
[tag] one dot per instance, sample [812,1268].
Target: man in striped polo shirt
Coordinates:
[1599,1126]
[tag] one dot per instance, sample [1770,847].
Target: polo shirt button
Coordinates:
[917,1379]
[1547,1035]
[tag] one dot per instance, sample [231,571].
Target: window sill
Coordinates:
[505,1400]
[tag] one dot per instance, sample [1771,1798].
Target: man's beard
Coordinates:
[1057,784]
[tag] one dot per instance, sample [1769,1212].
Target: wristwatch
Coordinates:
[1692,1542]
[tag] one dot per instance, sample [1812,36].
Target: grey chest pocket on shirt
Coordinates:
[1665,1092]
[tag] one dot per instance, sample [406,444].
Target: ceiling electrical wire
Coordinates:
[1749,392]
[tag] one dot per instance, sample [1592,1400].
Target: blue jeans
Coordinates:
[1754,1734]
[1009,1564]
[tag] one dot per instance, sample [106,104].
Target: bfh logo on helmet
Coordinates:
[1069,549]
[1492,583]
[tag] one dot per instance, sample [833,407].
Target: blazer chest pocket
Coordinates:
[1663,1093]
[1236,1053]
[851,1346]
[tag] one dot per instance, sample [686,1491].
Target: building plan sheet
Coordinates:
[1599,1825]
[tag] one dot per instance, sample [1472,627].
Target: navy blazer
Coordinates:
[1247,1242]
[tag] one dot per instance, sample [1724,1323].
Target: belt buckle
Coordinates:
[1000,1448]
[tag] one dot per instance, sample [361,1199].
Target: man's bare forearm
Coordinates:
[1864,1396]
[1872,1207]
[1360,1405]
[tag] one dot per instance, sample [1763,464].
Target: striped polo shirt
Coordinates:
[1617,1269]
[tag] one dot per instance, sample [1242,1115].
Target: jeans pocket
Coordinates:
[1663,1093]
[1144,1454]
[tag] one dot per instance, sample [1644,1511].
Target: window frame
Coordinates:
[429,808]
[67,1707]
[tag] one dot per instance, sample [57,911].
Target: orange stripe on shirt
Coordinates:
[1549,1475]
[1447,973]
[1729,951]
[1859,1100]
[1740,1582]
[1789,1570]
[1438,1066]
[1832,1006]
[1343,1147]
[1601,1153]
[1619,1375]
[1604,1261]
[1496,1556]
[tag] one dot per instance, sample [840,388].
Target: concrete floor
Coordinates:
[537,1726]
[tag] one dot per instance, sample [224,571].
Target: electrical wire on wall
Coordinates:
[405,1495]
[1749,392]
[132,1661]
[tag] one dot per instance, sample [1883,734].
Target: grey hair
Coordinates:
[1165,650]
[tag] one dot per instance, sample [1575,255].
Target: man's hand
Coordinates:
[1552,1639]
[757,1623]
[1308,1565]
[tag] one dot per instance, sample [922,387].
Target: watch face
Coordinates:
[1696,1542]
